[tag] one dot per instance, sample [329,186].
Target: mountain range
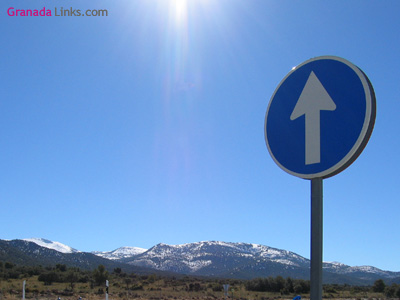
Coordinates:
[212,258]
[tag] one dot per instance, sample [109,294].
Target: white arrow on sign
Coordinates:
[312,100]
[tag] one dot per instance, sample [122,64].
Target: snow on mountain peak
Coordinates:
[193,257]
[213,258]
[121,252]
[52,245]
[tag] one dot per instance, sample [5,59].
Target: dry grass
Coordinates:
[156,290]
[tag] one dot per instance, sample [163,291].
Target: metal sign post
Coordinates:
[107,289]
[23,289]
[226,289]
[316,239]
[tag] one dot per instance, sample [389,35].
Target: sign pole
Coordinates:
[23,289]
[316,239]
[107,289]
[226,289]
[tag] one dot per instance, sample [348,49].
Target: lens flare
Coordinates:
[180,10]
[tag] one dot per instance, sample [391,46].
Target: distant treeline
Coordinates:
[279,285]
[298,286]
[60,273]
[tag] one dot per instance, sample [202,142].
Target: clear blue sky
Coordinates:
[147,125]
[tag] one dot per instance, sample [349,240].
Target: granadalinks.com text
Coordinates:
[56,12]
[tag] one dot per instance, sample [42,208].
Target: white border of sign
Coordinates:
[366,130]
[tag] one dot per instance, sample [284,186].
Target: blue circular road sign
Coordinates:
[320,117]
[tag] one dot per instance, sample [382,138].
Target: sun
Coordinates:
[179,8]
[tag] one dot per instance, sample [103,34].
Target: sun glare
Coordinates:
[183,20]
[180,10]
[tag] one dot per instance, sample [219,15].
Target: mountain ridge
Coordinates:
[22,252]
[247,261]
[52,245]
[120,253]
[207,258]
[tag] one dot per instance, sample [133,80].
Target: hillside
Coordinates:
[210,259]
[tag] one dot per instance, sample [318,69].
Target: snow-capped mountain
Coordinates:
[120,253]
[52,245]
[241,260]
[364,271]
[219,259]
[203,257]
[29,253]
